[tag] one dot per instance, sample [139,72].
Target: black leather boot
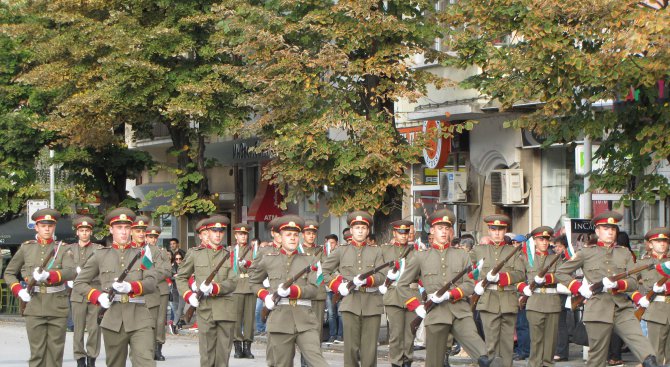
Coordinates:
[303,361]
[238,350]
[81,362]
[90,362]
[484,361]
[650,361]
[407,364]
[158,352]
[446,360]
[246,351]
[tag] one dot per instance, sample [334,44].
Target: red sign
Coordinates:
[410,132]
[438,147]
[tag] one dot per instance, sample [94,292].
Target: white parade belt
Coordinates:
[294,302]
[494,287]
[244,275]
[124,298]
[545,290]
[662,299]
[45,289]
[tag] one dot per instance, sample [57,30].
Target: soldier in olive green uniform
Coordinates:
[127,322]
[543,306]
[362,309]
[47,305]
[499,304]
[611,308]
[451,314]
[163,268]
[245,298]
[84,314]
[657,312]
[292,320]
[216,310]
[401,340]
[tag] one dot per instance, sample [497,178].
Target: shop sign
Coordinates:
[438,147]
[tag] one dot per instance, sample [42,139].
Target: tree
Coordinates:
[571,57]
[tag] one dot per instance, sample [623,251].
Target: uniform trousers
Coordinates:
[361,334]
[499,332]
[626,325]
[215,339]
[659,336]
[543,336]
[246,310]
[161,318]
[85,317]
[401,340]
[46,336]
[141,347]
[463,330]
[283,348]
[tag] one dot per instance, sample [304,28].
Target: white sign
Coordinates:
[33,206]
[580,159]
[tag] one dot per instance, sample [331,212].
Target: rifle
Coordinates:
[32,283]
[533,285]
[475,297]
[403,255]
[650,296]
[111,292]
[350,284]
[429,305]
[189,313]
[598,286]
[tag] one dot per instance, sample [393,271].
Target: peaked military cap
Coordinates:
[141,221]
[543,231]
[359,217]
[346,233]
[311,224]
[401,226]
[658,233]
[241,227]
[120,216]
[497,220]
[83,222]
[153,231]
[442,216]
[273,224]
[200,225]
[217,222]
[46,215]
[607,218]
[290,222]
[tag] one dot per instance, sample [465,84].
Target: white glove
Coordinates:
[70,283]
[24,295]
[358,282]
[206,289]
[283,292]
[266,282]
[561,289]
[527,292]
[661,289]
[539,280]
[383,289]
[78,269]
[194,287]
[269,303]
[492,278]
[193,300]
[421,311]
[608,284]
[122,287]
[393,275]
[434,297]
[585,290]
[479,289]
[643,302]
[104,300]
[40,276]
[241,263]
[342,288]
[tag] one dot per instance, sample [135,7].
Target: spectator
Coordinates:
[176,301]
[334,317]
[176,248]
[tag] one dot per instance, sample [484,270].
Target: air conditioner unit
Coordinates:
[453,186]
[507,187]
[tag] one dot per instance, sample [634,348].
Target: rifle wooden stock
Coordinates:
[533,285]
[650,296]
[32,282]
[350,284]
[475,297]
[429,305]
[403,255]
[597,287]
[189,313]
[111,292]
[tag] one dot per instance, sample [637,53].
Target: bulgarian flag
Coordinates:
[529,250]
[474,274]
[255,251]
[147,260]
[235,258]
[319,273]
[664,269]
[301,250]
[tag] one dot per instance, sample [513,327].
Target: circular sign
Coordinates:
[438,147]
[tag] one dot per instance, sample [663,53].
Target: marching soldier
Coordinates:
[310,247]
[158,300]
[401,340]
[245,298]
[362,309]
[611,308]
[292,321]
[498,304]
[657,312]
[216,310]
[138,232]
[451,314]
[84,314]
[47,304]
[127,322]
[543,306]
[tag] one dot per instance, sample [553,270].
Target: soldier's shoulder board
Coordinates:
[343,244]
[29,242]
[273,253]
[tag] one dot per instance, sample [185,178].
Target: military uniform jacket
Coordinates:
[31,255]
[163,270]
[201,261]
[107,264]
[351,260]
[321,290]
[436,267]
[598,262]
[504,298]
[543,302]
[81,256]
[392,252]
[243,286]
[658,312]
[278,267]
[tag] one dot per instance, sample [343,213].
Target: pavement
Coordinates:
[182,349]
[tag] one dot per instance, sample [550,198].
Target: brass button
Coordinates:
[122,265]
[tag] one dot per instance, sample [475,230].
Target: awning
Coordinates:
[142,190]
[15,232]
[264,207]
